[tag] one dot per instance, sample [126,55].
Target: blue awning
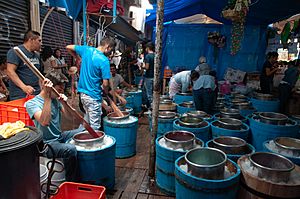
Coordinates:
[262,12]
[73,7]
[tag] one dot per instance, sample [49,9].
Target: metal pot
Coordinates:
[273,118]
[198,114]
[113,116]
[84,139]
[166,101]
[219,106]
[208,163]
[235,101]
[167,115]
[185,94]
[179,139]
[230,113]
[163,97]
[190,122]
[188,104]
[239,96]
[230,145]
[261,96]
[230,123]
[272,166]
[243,106]
[288,144]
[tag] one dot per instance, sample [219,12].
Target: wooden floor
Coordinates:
[132,181]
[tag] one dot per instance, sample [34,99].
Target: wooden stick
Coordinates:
[41,77]
[115,108]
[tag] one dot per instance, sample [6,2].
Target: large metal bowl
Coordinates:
[190,122]
[166,101]
[288,144]
[230,123]
[230,113]
[272,166]
[186,94]
[273,118]
[243,106]
[114,116]
[167,115]
[239,96]
[230,145]
[198,114]
[162,97]
[188,104]
[261,96]
[84,139]
[179,139]
[208,163]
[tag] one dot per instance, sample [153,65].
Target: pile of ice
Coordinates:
[129,120]
[162,143]
[107,141]
[227,172]
[285,152]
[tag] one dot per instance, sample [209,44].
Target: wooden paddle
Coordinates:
[41,77]
[114,107]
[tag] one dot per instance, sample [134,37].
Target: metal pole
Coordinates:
[114,11]
[156,84]
[84,21]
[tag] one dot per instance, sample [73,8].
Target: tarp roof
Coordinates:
[262,12]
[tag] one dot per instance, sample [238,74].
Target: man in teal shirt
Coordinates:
[94,69]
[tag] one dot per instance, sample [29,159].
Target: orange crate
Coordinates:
[14,110]
[72,190]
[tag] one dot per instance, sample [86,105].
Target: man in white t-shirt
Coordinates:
[117,78]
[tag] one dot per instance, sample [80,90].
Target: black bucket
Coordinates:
[19,166]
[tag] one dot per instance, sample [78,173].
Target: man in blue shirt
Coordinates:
[23,81]
[46,112]
[94,68]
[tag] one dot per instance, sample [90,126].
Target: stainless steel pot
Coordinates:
[230,123]
[163,97]
[113,116]
[288,144]
[261,96]
[166,101]
[273,118]
[186,94]
[167,115]
[272,166]
[190,122]
[179,139]
[243,106]
[198,114]
[188,104]
[208,163]
[84,139]
[230,145]
[230,113]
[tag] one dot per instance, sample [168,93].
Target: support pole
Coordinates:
[114,11]
[156,84]
[84,21]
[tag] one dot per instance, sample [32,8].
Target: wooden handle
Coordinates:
[115,108]
[41,77]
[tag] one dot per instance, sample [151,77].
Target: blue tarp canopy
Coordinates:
[262,12]
[73,7]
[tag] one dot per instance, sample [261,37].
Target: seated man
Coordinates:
[117,79]
[46,111]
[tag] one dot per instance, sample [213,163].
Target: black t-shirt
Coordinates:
[266,65]
[150,60]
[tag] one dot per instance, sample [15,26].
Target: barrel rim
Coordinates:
[170,150]
[271,151]
[95,150]
[241,130]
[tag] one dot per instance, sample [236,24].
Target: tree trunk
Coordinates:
[156,83]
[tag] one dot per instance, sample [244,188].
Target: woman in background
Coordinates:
[268,71]
[60,62]
[48,59]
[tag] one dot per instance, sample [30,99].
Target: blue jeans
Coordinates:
[148,89]
[204,99]
[67,152]
[93,111]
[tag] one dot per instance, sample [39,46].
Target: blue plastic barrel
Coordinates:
[98,166]
[246,112]
[217,131]
[130,101]
[295,160]
[178,99]
[182,109]
[191,187]
[261,132]
[265,105]
[165,166]
[135,101]
[163,125]
[124,131]
[234,157]
[202,133]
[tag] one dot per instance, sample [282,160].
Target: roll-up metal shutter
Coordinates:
[14,22]
[57,32]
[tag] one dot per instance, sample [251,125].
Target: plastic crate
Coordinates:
[15,110]
[72,190]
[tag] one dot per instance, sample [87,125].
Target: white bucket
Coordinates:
[43,177]
[57,178]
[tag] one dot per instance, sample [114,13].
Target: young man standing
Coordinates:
[23,81]
[94,68]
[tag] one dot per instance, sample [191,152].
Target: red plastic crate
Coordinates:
[14,110]
[72,190]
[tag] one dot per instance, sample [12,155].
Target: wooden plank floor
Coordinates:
[132,181]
